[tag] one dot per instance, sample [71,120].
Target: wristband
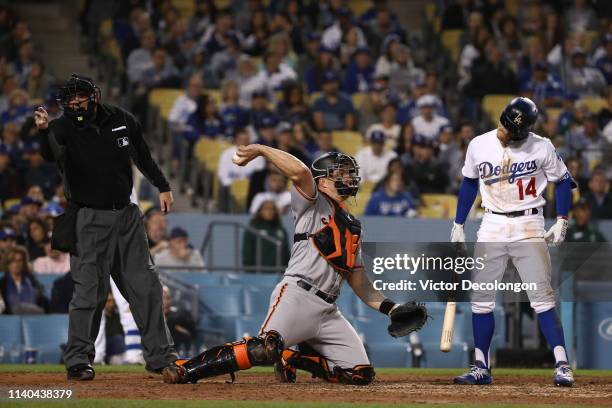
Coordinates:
[386,306]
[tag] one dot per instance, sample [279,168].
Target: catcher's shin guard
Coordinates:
[309,360]
[229,358]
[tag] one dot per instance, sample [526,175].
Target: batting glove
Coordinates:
[556,234]
[457,233]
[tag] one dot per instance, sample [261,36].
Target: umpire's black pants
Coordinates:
[114,243]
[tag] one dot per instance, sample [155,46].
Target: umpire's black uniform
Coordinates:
[110,237]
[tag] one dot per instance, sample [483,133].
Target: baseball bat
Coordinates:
[446,340]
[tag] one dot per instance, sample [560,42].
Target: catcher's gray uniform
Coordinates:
[299,315]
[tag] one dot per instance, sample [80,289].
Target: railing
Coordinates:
[207,245]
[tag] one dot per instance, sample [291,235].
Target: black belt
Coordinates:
[107,207]
[300,237]
[307,286]
[514,214]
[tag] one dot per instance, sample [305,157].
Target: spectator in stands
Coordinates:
[491,74]
[179,252]
[281,43]
[258,36]
[324,144]
[266,221]
[379,23]
[275,190]
[547,90]
[293,108]
[388,125]
[22,293]
[179,43]
[510,43]
[581,78]
[203,16]
[428,122]
[113,330]
[581,229]
[61,294]
[348,46]
[140,61]
[605,114]
[286,142]
[215,39]
[272,76]
[140,22]
[163,74]
[9,85]
[598,196]
[581,17]
[23,63]
[185,104]
[205,121]
[373,159]
[604,63]
[586,140]
[333,110]
[157,230]
[456,14]
[224,63]
[18,107]
[407,107]
[11,185]
[233,115]
[304,140]
[429,176]
[228,172]
[265,127]
[315,73]
[54,261]
[574,166]
[359,74]
[180,323]
[393,199]
[38,81]
[332,36]
[309,57]
[389,48]
[29,208]
[567,116]
[38,237]
[39,172]
[13,145]
[403,74]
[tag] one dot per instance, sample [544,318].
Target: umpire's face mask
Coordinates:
[80,110]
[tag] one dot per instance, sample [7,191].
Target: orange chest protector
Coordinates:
[338,241]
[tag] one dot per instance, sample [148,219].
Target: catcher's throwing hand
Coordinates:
[244,154]
[407,318]
[41,118]
[556,234]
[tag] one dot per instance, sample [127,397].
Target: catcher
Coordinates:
[304,328]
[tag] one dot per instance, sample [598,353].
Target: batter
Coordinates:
[511,166]
[303,328]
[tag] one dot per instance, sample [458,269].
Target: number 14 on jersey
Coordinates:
[529,190]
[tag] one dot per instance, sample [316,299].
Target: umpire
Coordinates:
[94,145]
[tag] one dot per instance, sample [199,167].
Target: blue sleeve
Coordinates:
[563,196]
[372,208]
[467,194]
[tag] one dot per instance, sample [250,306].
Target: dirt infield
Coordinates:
[388,388]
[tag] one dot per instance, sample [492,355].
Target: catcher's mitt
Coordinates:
[407,318]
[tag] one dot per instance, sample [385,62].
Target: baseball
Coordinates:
[235,158]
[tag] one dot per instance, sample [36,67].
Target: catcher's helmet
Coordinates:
[518,117]
[82,86]
[340,168]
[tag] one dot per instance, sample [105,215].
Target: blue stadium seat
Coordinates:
[383,350]
[458,357]
[11,333]
[248,326]
[254,279]
[47,282]
[222,300]
[257,299]
[46,333]
[201,279]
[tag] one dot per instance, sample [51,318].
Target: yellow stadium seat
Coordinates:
[207,152]
[9,202]
[451,41]
[106,27]
[437,24]
[512,7]
[430,11]
[239,191]
[164,99]
[145,205]
[589,37]
[359,99]
[186,7]
[358,206]
[553,113]
[358,7]
[347,142]
[493,105]
[594,103]
[221,4]
[438,206]
[313,97]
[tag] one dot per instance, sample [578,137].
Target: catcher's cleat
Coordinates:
[563,376]
[284,371]
[174,374]
[479,374]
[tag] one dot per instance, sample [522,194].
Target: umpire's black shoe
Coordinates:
[81,372]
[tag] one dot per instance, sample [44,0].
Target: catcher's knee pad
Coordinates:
[231,357]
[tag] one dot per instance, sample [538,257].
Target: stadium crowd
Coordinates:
[292,73]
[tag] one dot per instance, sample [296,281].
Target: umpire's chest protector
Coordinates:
[338,241]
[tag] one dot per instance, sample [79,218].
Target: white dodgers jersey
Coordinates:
[513,178]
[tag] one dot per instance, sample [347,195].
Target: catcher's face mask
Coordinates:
[346,179]
[78,98]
